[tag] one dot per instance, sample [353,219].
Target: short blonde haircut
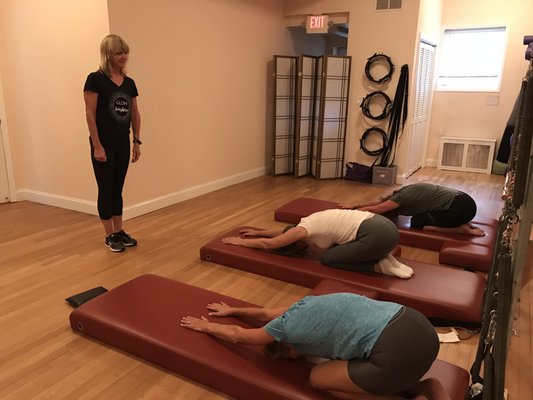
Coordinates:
[111,46]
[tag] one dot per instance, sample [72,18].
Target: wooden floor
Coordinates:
[48,254]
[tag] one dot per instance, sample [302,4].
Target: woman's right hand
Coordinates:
[234,240]
[99,154]
[249,232]
[220,309]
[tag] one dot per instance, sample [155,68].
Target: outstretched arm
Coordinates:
[351,206]
[289,237]
[230,333]
[381,207]
[262,314]
[249,232]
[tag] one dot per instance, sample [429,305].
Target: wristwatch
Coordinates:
[137,140]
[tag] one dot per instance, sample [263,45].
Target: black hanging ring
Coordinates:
[375,58]
[368,132]
[365,105]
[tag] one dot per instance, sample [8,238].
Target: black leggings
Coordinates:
[462,210]
[403,353]
[376,238]
[110,176]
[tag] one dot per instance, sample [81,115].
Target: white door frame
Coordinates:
[7,177]
[418,136]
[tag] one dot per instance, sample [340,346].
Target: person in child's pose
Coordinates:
[372,349]
[353,240]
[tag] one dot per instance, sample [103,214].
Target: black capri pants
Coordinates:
[376,237]
[403,353]
[110,176]
[462,210]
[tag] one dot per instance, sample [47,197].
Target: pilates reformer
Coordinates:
[471,252]
[141,317]
[445,295]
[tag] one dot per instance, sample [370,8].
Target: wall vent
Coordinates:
[388,5]
[466,154]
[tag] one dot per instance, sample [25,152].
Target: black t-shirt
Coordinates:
[419,198]
[113,109]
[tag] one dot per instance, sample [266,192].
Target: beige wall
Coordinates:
[201,68]
[430,19]
[44,58]
[467,114]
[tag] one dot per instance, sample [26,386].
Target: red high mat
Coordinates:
[473,252]
[142,317]
[441,293]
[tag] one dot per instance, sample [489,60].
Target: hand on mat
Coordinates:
[196,324]
[233,240]
[348,206]
[220,309]
[250,232]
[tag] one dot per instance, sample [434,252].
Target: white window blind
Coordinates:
[472,59]
[423,79]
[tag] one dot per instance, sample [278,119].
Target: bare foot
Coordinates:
[407,269]
[469,229]
[386,267]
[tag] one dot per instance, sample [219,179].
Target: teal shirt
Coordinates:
[335,326]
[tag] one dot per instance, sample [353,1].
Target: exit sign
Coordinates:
[317,24]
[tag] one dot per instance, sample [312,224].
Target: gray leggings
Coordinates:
[402,354]
[376,238]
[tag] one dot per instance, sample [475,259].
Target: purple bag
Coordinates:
[358,172]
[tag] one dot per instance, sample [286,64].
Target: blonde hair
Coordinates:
[111,46]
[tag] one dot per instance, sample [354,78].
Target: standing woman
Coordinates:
[111,109]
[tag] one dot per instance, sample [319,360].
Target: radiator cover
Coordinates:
[466,154]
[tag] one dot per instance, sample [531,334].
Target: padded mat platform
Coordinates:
[294,210]
[142,317]
[434,240]
[440,293]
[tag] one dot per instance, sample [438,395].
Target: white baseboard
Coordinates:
[135,210]
[189,193]
[50,199]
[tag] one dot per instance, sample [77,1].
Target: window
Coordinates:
[472,59]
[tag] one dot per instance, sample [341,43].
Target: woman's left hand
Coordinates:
[233,240]
[136,153]
[196,324]
[347,206]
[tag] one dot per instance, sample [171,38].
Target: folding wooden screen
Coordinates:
[305,113]
[330,132]
[311,105]
[285,74]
